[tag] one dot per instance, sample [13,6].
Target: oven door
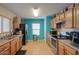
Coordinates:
[54,44]
[53,41]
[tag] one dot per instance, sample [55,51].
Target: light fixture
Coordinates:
[36,12]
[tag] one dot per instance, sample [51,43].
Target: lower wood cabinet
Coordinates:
[15,45]
[69,50]
[49,40]
[65,50]
[5,49]
[18,43]
[5,52]
[11,47]
[61,50]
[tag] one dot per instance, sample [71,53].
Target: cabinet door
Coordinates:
[13,47]
[53,23]
[69,51]
[18,43]
[68,19]
[61,48]
[5,52]
[77,16]
[5,49]
[49,40]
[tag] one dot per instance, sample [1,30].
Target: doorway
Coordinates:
[26,30]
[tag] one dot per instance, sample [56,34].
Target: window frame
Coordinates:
[2,24]
[36,29]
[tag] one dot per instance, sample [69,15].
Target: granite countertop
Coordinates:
[69,43]
[4,41]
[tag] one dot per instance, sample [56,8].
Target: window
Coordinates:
[36,28]
[0,24]
[6,24]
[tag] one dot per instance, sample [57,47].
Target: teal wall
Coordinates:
[48,26]
[29,22]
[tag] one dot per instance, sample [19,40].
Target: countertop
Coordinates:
[4,41]
[69,43]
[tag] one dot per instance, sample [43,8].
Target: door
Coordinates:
[22,26]
[26,30]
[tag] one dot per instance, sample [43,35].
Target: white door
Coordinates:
[26,29]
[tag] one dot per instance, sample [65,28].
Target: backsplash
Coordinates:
[67,30]
[4,35]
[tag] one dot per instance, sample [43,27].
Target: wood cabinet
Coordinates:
[64,49]
[69,51]
[10,47]
[5,49]
[18,43]
[16,23]
[53,23]
[49,40]
[61,49]
[76,11]
[62,16]
[69,19]
[13,47]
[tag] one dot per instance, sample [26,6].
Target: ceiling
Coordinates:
[24,10]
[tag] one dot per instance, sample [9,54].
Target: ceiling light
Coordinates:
[35,11]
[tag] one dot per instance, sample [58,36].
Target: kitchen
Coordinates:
[58,33]
[63,37]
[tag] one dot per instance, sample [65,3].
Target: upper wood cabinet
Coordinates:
[69,18]
[57,17]
[76,11]
[62,16]
[53,23]
[16,23]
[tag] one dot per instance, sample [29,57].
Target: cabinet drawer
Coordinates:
[5,51]
[68,53]
[3,47]
[60,44]
[70,50]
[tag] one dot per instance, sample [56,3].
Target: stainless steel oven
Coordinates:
[53,34]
